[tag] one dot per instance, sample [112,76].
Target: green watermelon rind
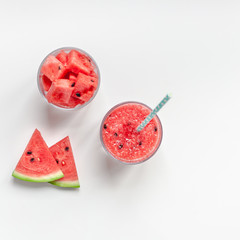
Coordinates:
[45,178]
[70,184]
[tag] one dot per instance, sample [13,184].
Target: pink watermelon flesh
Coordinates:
[37,163]
[93,74]
[62,57]
[72,77]
[85,87]
[53,68]
[46,83]
[78,62]
[60,92]
[62,153]
[73,102]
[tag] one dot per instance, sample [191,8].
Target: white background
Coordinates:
[191,188]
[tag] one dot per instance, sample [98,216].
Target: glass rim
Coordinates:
[94,63]
[104,146]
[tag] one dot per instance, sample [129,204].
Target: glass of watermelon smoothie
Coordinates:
[68,78]
[119,135]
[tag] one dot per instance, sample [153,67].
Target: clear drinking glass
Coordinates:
[147,156]
[55,53]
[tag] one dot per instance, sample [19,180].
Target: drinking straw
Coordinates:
[153,113]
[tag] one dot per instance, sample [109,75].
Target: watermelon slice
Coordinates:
[77,62]
[46,83]
[84,87]
[62,57]
[60,92]
[37,163]
[53,68]
[62,152]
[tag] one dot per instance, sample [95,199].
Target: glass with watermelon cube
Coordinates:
[119,135]
[68,78]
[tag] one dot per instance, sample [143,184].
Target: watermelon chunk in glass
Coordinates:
[46,83]
[72,76]
[62,153]
[37,163]
[60,92]
[84,87]
[93,74]
[53,68]
[62,57]
[78,62]
[73,102]
[86,96]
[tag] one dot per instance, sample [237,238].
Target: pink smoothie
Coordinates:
[120,137]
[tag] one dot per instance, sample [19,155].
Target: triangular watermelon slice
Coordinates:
[37,163]
[62,152]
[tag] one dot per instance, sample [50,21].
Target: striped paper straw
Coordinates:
[153,113]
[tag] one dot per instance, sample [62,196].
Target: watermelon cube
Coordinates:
[72,77]
[46,83]
[73,102]
[84,87]
[60,92]
[78,62]
[86,96]
[93,74]
[62,57]
[53,68]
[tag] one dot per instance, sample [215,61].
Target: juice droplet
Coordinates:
[63,163]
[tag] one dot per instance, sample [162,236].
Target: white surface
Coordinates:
[144,49]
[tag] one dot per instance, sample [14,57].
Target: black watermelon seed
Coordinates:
[155,129]
[29,153]
[57,161]
[140,143]
[116,134]
[59,67]
[120,146]
[66,148]
[78,94]
[32,159]
[105,126]
[73,84]
[92,80]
